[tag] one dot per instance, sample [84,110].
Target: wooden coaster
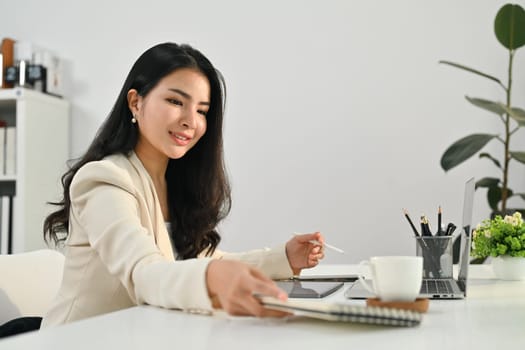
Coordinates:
[419,305]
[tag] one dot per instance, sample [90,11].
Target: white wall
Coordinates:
[337,114]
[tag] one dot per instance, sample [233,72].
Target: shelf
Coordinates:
[10,95]
[7,178]
[42,150]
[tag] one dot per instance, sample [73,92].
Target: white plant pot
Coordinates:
[509,268]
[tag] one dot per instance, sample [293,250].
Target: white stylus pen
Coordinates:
[325,244]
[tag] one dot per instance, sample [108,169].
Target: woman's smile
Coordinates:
[180,139]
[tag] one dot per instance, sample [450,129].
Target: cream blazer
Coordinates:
[119,254]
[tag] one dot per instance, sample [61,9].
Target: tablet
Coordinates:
[327,278]
[308,289]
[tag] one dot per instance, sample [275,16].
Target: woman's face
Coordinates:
[171,118]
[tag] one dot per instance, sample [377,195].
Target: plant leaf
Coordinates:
[519,156]
[516,113]
[463,149]
[494,107]
[486,155]
[494,196]
[457,65]
[488,182]
[509,26]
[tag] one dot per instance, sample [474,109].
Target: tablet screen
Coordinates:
[307,289]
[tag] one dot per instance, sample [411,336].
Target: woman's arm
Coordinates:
[284,261]
[106,206]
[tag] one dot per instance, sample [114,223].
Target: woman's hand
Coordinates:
[231,285]
[303,254]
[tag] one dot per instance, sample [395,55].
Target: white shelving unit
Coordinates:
[42,150]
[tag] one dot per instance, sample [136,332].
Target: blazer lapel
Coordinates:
[162,238]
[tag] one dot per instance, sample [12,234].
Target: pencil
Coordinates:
[411,223]
[440,228]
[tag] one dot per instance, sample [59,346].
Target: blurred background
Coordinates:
[337,112]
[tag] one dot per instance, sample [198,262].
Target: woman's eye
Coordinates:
[174,101]
[204,113]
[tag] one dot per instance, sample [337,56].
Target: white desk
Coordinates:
[491,317]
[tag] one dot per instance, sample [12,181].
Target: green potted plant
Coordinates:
[504,240]
[509,27]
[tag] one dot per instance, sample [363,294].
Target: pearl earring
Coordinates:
[134,119]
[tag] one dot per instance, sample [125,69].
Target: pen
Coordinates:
[425,228]
[325,244]
[450,229]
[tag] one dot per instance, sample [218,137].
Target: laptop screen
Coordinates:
[468,204]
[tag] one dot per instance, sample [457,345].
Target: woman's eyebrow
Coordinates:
[186,95]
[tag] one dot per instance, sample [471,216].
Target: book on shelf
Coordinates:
[7,148]
[3,126]
[10,150]
[3,237]
[6,227]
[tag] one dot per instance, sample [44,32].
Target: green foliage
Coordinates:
[463,149]
[509,29]
[508,26]
[499,236]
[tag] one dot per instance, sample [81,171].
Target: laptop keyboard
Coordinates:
[436,287]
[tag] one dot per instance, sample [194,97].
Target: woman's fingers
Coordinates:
[317,253]
[307,237]
[267,287]
[232,285]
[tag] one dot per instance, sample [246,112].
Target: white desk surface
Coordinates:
[491,317]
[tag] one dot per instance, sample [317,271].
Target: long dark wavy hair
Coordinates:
[199,194]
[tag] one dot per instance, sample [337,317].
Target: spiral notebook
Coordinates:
[344,312]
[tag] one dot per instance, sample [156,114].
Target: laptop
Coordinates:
[444,288]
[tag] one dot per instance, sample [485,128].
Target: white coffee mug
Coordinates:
[394,278]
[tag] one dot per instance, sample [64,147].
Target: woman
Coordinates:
[150,190]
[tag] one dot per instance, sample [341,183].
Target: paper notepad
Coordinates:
[345,312]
